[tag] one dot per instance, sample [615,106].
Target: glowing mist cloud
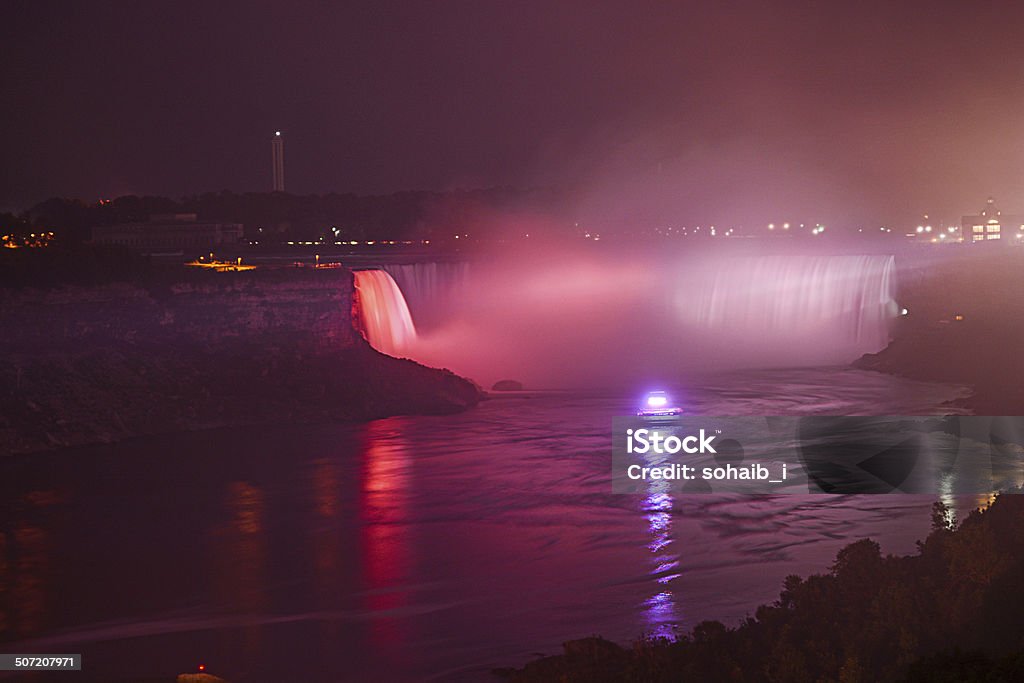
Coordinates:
[558,320]
[383,313]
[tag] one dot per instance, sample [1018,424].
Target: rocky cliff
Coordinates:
[197,350]
[965,325]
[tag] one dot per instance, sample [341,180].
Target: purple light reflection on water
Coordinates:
[660,609]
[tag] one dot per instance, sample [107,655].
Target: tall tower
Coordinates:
[277,147]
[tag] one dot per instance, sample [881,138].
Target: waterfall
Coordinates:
[573,320]
[842,301]
[382,312]
[431,289]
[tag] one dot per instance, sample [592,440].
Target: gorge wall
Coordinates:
[964,325]
[193,350]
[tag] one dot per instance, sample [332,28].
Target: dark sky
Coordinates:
[691,111]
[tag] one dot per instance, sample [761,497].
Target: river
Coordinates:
[412,548]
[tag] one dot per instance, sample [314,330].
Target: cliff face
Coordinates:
[81,365]
[306,307]
[965,325]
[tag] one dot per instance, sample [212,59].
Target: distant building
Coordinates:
[277,152]
[992,224]
[169,232]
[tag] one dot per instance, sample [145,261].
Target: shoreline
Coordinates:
[971,625]
[993,392]
[56,405]
[957,329]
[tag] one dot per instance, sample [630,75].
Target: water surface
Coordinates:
[412,548]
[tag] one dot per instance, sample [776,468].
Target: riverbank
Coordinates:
[947,613]
[95,364]
[964,325]
[984,357]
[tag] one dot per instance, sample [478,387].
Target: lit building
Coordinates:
[169,232]
[992,224]
[277,150]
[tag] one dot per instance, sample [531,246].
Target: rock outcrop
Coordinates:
[964,325]
[86,365]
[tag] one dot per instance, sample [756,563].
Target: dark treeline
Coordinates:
[951,612]
[83,265]
[282,216]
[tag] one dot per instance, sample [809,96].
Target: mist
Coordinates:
[554,319]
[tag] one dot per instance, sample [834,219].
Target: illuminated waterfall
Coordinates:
[432,289]
[383,314]
[561,321]
[843,301]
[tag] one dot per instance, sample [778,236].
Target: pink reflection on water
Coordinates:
[239,562]
[330,548]
[387,562]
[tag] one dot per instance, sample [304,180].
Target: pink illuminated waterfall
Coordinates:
[383,313]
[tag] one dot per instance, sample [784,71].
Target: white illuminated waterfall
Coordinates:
[431,289]
[845,301]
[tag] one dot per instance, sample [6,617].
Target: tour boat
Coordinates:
[658,404]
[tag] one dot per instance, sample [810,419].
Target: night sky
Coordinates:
[872,112]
